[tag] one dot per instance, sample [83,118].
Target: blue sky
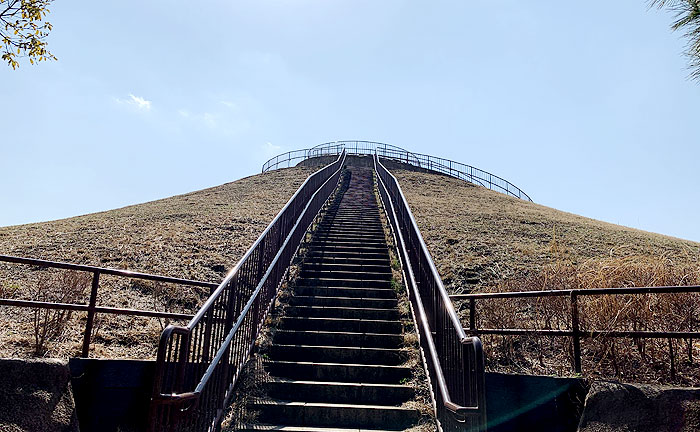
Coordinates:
[585,106]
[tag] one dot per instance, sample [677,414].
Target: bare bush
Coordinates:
[61,287]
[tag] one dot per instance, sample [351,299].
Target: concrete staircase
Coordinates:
[336,357]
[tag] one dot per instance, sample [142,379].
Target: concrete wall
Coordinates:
[533,403]
[112,395]
[616,407]
[36,395]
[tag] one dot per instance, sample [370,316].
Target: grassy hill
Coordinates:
[481,240]
[485,241]
[199,235]
[473,232]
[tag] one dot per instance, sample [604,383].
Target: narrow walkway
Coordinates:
[335,357]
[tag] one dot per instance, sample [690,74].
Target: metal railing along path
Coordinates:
[91,308]
[199,364]
[576,332]
[448,167]
[454,361]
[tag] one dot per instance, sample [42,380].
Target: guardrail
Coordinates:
[387,151]
[454,362]
[199,364]
[576,332]
[91,308]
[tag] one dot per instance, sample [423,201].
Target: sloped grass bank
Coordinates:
[483,241]
[199,235]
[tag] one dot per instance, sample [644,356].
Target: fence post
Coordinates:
[472,315]
[91,314]
[670,352]
[576,338]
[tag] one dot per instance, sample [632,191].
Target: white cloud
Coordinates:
[210,119]
[183,113]
[137,102]
[229,104]
[271,149]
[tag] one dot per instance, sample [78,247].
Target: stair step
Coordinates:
[338,372]
[359,225]
[283,428]
[337,354]
[342,312]
[353,302]
[357,283]
[328,414]
[356,261]
[343,240]
[338,291]
[341,324]
[383,267]
[339,392]
[340,254]
[345,274]
[331,229]
[345,339]
[331,247]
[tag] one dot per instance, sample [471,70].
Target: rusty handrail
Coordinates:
[91,308]
[576,333]
[462,393]
[199,364]
[104,270]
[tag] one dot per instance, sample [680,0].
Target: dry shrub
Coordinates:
[61,287]
[624,358]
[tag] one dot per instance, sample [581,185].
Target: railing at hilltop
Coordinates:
[199,364]
[454,362]
[92,308]
[387,151]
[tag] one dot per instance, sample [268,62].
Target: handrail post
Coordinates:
[91,314]
[575,333]
[472,315]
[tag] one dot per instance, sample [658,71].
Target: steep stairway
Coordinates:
[336,358]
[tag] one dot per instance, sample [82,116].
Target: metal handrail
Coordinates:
[104,270]
[443,339]
[577,333]
[91,308]
[199,364]
[448,167]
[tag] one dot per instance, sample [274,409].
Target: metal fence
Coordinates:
[198,365]
[92,308]
[576,331]
[387,151]
[454,362]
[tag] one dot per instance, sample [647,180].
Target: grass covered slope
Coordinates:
[199,235]
[480,238]
[485,241]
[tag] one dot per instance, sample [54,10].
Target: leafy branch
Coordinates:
[23,31]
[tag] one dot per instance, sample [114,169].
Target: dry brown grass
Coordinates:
[485,241]
[199,235]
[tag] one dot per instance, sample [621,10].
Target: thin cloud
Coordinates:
[271,149]
[137,102]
